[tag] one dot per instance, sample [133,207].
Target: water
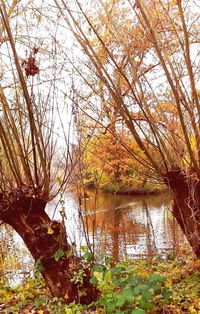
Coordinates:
[119,225]
[16,264]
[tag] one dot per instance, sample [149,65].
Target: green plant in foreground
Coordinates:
[130,287]
[125,292]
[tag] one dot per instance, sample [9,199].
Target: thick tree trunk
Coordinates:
[29,219]
[186,208]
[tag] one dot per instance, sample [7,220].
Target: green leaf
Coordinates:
[134,281]
[138,311]
[109,301]
[118,282]
[143,287]
[108,276]
[88,256]
[58,254]
[146,305]
[39,302]
[110,307]
[166,294]
[156,278]
[117,269]
[128,293]
[146,295]
[99,268]
[109,297]
[121,300]
[98,275]
[108,260]
[94,280]
[156,288]
[136,291]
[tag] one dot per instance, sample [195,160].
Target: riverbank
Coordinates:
[130,287]
[142,192]
[132,191]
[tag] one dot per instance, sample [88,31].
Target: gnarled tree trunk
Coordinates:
[186,208]
[28,218]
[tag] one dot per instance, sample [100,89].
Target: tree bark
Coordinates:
[28,218]
[186,209]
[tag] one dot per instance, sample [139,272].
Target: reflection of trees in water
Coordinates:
[120,232]
[118,225]
[150,232]
[173,232]
[131,228]
[114,231]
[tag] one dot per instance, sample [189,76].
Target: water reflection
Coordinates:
[127,226]
[137,227]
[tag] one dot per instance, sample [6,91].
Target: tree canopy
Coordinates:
[139,63]
[142,62]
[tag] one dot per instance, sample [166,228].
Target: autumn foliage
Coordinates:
[29,64]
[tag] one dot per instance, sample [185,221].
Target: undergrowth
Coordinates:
[129,287]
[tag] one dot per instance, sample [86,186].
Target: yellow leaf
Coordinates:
[68,311]
[98,275]
[50,231]
[40,312]
[172,2]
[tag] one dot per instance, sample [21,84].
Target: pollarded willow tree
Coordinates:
[140,58]
[31,162]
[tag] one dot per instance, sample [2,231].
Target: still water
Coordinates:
[119,225]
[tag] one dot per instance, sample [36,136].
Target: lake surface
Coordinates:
[118,225]
[121,225]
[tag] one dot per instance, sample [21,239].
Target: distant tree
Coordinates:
[108,164]
[144,56]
